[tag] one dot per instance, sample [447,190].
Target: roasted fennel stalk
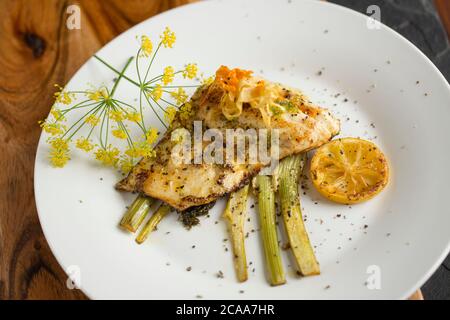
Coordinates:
[137,212]
[234,214]
[289,172]
[152,223]
[267,214]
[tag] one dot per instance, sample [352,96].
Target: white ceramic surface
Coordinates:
[368,78]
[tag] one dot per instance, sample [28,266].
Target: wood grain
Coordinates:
[38,51]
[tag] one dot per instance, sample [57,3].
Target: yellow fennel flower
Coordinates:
[126,164]
[53,129]
[92,120]
[168,38]
[146,46]
[170,113]
[100,94]
[116,115]
[168,75]
[190,71]
[59,143]
[84,144]
[62,96]
[59,152]
[186,111]
[132,152]
[145,150]
[133,116]
[57,114]
[59,158]
[140,150]
[157,92]
[108,157]
[119,133]
[180,96]
[151,135]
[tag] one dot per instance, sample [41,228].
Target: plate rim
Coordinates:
[418,283]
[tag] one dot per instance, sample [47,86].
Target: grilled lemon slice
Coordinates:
[349,170]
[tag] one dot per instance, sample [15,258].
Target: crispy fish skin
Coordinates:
[185,185]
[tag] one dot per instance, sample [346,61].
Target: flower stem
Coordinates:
[137,67]
[94,109]
[151,61]
[78,105]
[106,109]
[157,78]
[115,101]
[192,86]
[121,75]
[154,111]
[118,72]
[169,103]
[141,111]
[82,124]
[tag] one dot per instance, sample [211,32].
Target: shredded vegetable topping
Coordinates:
[241,88]
[230,79]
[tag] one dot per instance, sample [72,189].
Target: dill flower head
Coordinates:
[146,46]
[133,116]
[145,150]
[132,152]
[59,158]
[59,143]
[57,114]
[157,92]
[168,38]
[190,71]
[126,164]
[92,120]
[140,150]
[84,144]
[186,111]
[151,135]
[53,129]
[59,152]
[97,95]
[99,105]
[62,96]
[108,156]
[116,115]
[119,133]
[180,96]
[170,113]
[168,75]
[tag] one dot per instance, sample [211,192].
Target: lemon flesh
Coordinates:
[349,170]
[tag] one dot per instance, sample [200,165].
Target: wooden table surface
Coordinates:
[37,52]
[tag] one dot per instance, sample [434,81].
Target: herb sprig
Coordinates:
[109,118]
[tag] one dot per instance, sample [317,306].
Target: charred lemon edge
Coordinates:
[343,198]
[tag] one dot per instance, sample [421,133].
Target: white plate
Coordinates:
[407,235]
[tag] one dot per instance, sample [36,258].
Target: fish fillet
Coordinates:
[302,126]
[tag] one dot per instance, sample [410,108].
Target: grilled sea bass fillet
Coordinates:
[234,100]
